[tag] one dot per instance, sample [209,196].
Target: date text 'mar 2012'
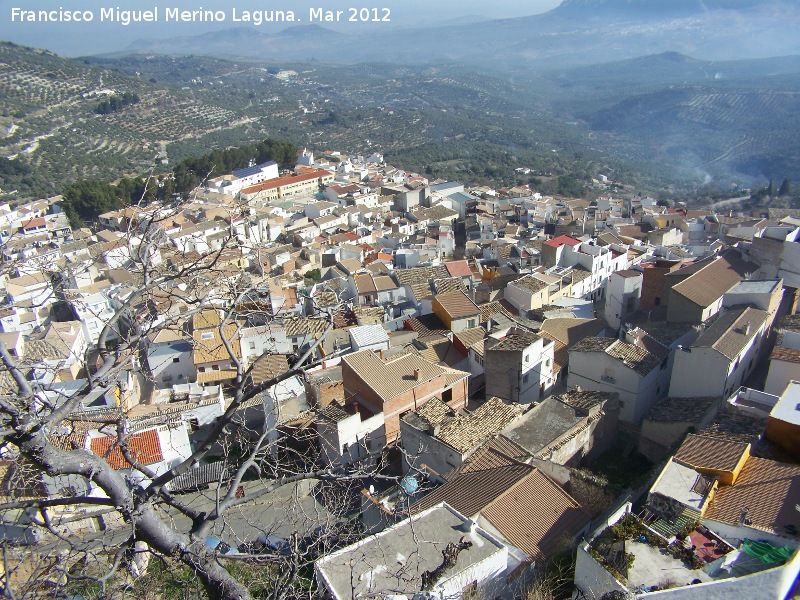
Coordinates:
[362,15]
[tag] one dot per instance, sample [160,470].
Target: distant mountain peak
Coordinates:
[641,7]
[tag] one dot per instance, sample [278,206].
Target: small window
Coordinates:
[215,367]
[177,359]
[252,345]
[207,335]
[527,358]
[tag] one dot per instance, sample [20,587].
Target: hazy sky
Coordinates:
[75,39]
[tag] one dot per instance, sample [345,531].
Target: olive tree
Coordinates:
[154,520]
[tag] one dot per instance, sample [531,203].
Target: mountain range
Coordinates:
[578,32]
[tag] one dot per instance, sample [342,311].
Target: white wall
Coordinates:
[636,393]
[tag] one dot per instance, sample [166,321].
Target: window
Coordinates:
[527,358]
[471,323]
[252,345]
[177,359]
[201,369]
[525,378]
[207,335]
[215,367]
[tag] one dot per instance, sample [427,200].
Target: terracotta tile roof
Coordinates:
[768,490]
[791,323]
[689,410]
[369,315]
[530,283]
[464,433]
[208,345]
[560,241]
[468,337]
[484,477]
[365,284]
[785,354]
[421,274]
[511,343]
[570,331]
[395,376]
[325,299]
[699,451]
[537,516]
[349,265]
[732,331]
[507,447]
[216,376]
[579,274]
[633,357]
[435,412]
[145,448]
[384,283]
[708,280]
[458,268]
[440,349]
[426,325]
[302,326]
[269,366]
[457,305]
[492,308]
[638,359]
[206,319]
[586,399]
[271,184]
[594,344]
[450,284]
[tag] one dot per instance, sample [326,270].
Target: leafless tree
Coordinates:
[153,520]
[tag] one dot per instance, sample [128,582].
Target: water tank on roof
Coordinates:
[409,484]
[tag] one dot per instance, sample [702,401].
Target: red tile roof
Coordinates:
[768,490]
[286,180]
[786,354]
[37,222]
[144,447]
[458,268]
[560,241]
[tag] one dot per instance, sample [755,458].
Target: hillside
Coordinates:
[53,134]
[661,122]
[577,33]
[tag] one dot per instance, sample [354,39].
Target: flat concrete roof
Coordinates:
[653,566]
[542,424]
[678,481]
[393,561]
[755,286]
[787,408]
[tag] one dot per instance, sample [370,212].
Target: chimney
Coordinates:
[416,374]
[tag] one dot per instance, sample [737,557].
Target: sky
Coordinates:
[96,37]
